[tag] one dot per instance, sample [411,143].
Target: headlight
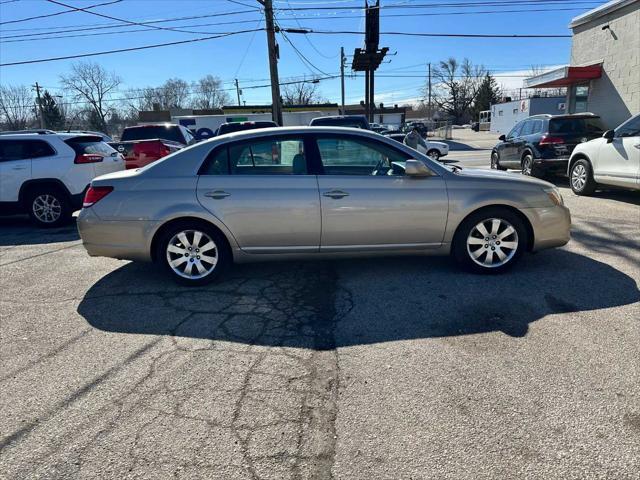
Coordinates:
[554,195]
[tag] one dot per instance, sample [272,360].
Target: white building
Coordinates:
[604,74]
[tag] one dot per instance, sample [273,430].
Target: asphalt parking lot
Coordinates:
[397,368]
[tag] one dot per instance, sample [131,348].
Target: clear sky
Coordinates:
[244,56]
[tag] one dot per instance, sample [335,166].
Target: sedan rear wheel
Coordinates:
[490,241]
[194,254]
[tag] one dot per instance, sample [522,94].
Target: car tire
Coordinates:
[48,207]
[581,178]
[528,167]
[490,241]
[186,252]
[433,154]
[495,162]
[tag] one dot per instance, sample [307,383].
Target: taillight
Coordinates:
[549,140]
[87,158]
[94,195]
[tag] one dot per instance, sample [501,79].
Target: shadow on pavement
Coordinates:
[310,305]
[19,230]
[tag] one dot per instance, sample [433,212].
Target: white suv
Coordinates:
[613,159]
[45,174]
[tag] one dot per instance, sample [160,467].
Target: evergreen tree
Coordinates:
[53,116]
[488,93]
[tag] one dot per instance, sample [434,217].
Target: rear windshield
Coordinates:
[339,122]
[237,127]
[575,125]
[172,133]
[82,146]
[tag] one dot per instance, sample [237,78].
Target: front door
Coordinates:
[15,168]
[618,161]
[509,156]
[367,201]
[262,191]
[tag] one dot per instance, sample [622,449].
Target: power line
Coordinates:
[424,34]
[121,50]
[448,5]
[301,56]
[57,13]
[102,15]
[309,40]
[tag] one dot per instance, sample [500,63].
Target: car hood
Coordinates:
[440,144]
[502,176]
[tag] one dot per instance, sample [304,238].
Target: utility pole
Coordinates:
[430,111]
[40,115]
[342,59]
[238,91]
[276,105]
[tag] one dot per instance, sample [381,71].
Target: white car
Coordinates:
[45,174]
[613,159]
[434,149]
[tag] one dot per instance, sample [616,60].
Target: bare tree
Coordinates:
[16,106]
[209,93]
[301,93]
[174,93]
[92,83]
[457,85]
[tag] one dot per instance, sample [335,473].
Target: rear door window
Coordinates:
[23,149]
[268,156]
[11,150]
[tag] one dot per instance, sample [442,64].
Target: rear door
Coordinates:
[369,204]
[264,191]
[15,168]
[618,162]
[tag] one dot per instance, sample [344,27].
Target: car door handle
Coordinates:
[335,194]
[217,194]
[18,168]
[637,145]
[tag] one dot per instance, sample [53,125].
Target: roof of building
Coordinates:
[601,11]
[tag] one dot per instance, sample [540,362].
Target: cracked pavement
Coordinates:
[399,368]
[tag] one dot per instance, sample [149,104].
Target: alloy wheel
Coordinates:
[492,242]
[46,208]
[578,177]
[434,155]
[192,254]
[527,165]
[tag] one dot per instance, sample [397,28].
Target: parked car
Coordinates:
[143,144]
[542,144]
[303,192]
[613,159]
[45,174]
[241,126]
[434,149]
[354,121]
[421,126]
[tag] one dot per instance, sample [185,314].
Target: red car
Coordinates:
[144,144]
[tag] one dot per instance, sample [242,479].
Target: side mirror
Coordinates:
[502,138]
[609,134]
[415,168]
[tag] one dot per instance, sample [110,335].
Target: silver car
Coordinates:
[315,192]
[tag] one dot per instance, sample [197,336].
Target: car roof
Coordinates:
[45,135]
[339,117]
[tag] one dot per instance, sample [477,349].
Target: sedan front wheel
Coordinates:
[490,241]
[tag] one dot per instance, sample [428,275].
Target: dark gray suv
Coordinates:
[542,144]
